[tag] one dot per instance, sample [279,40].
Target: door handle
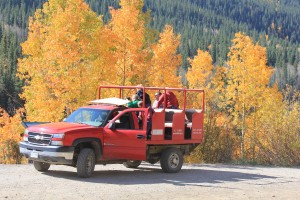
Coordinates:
[140,136]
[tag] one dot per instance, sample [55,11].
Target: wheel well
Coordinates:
[92,143]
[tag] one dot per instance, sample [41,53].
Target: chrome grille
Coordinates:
[38,138]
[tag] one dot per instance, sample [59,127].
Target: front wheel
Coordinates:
[132,163]
[86,163]
[171,160]
[41,166]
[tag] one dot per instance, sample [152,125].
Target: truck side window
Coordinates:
[123,122]
[128,120]
[111,116]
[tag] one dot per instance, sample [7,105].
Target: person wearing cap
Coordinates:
[171,100]
[157,95]
[140,95]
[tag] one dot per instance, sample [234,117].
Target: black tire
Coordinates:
[132,163]
[86,163]
[171,160]
[41,166]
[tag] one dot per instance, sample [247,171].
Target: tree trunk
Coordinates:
[243,133]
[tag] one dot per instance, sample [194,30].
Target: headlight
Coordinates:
[58,135]
[57,139]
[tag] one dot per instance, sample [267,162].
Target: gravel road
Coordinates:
[149,182]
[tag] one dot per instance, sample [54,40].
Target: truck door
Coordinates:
[124,137]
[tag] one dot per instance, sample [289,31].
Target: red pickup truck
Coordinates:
[106,132]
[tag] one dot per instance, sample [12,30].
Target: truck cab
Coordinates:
[106,131]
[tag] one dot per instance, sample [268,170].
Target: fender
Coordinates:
[95,142]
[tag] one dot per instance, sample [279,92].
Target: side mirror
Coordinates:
[112,126]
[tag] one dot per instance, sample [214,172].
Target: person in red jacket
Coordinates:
[171,99]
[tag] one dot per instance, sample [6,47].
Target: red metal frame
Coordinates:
[178,125]
[154,88]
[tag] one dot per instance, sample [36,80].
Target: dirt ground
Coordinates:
[149,182]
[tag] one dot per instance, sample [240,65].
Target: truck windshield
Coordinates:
[93,117]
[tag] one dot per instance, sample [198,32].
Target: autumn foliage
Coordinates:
[10,131]
[165,60]
[70,51]
[246,119]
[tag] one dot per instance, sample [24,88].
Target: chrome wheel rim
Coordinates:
[174,160]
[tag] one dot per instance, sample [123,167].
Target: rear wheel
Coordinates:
[41,166]
[86,163]
[171,160]
[132,163]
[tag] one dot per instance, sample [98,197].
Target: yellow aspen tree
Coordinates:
[198,75]
[201,68]
[57,59]
[248,77]
[218,143]
[104,59]
[279,127]
[10,129]
[31,65]
[128,33]
[218,84]
[166,61]
[261,126]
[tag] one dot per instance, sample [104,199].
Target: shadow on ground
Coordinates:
[151,174]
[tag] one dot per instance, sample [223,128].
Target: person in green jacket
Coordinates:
[134,102]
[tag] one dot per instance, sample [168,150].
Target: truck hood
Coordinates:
[59,127]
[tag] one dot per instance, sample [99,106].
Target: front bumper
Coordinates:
[48,154]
